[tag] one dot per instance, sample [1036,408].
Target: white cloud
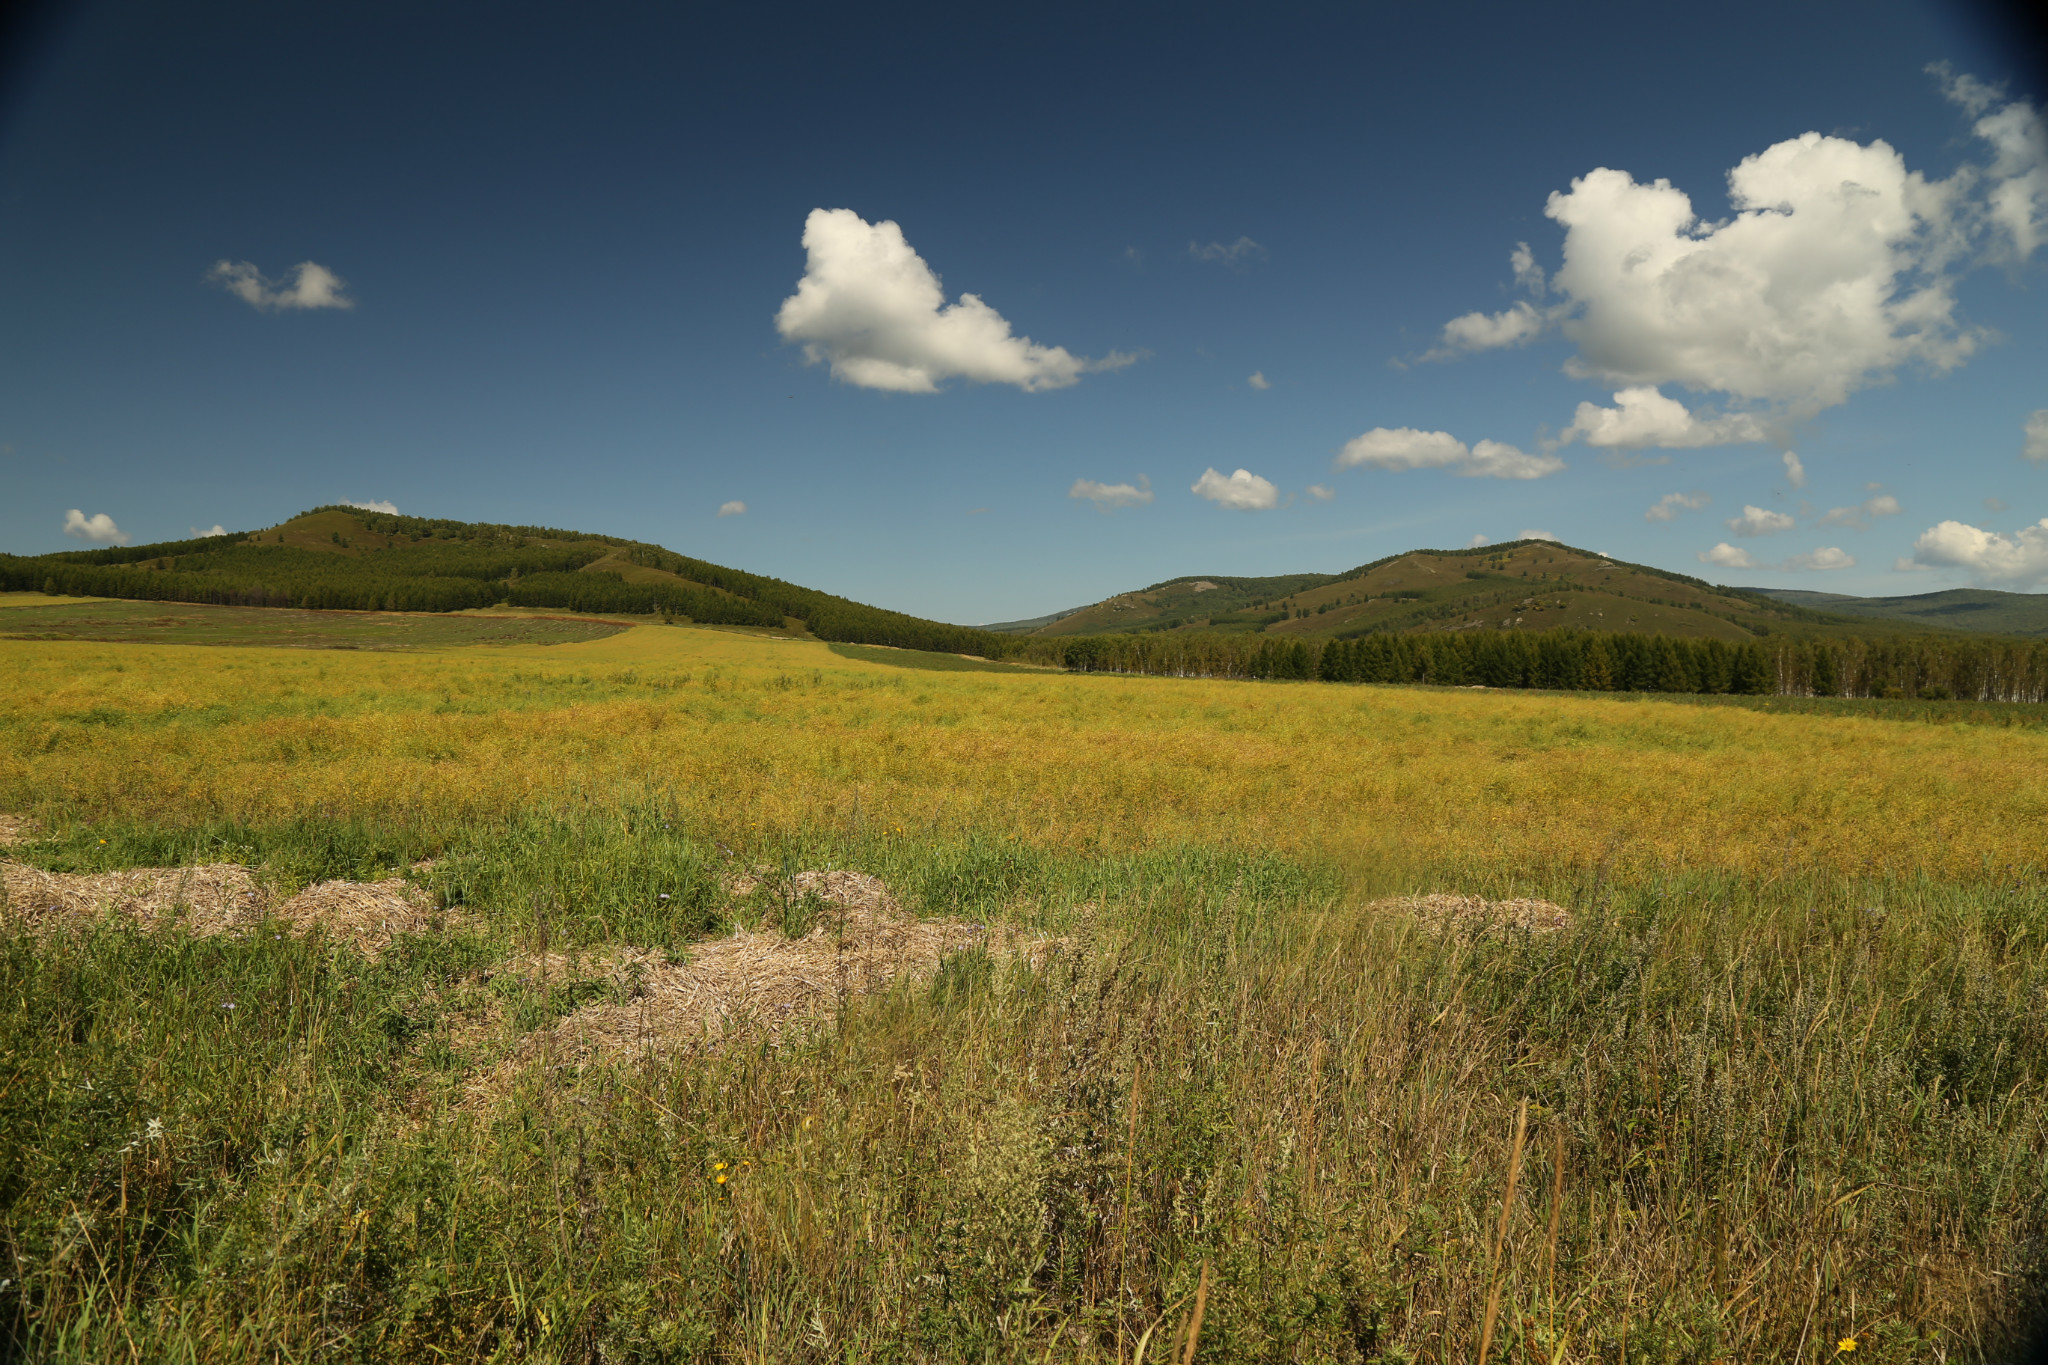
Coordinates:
[1528,274]
[389,509]
[1322,492]
[2036,432]
[1827,557]
[1859,517]
[1670,505]
[1243,490]
[1400,448]
[1759,521]
[1729,557]
[2016,561]
[735,508]
[1229,253]
[1735,557]
[312,286]
[1537,535]
[1795,472]
[2016,197]
[1477,541]
[1960,87]
[217,530]
[870,307]
[1110,496]
[1489,331]
[1259,380]
[98,528]
[1827,278]
[1644,417]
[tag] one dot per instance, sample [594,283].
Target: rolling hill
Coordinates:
[1973,609]
[345,558]
[1529,585]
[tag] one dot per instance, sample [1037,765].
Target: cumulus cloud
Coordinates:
[1670,505]
[2016,182]
[1322,492]
[735,508]
[1259,380]
[870,307]
[1239,252]
[1400,448]
[1827,278]
[311,286]
[1489,331]
[1729,557]
[1110,496]
[1477,541]
[378,505]
[216,530]
[98,528]
[1837,268]
[1244,490]
[1795,472]
[1759,521]
[1860,516]
[1536,535]
[2035,445]
[1642,416]
[2018,561]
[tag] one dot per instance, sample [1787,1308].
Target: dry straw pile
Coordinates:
[752,981]
[218,898]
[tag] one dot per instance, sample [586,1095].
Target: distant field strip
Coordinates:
[187,623]
[925,659]
[752,735]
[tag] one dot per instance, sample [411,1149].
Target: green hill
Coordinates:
[1974,609]
[345,558]
[1530,585]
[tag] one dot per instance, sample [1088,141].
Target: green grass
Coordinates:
[1785,1111]
[186,623]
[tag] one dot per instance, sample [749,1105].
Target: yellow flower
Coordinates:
[719,1167]
[721,1180]
[1845,1345]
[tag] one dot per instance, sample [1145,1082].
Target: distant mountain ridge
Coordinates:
[1979,610]
[1526,585]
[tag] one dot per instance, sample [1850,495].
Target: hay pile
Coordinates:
[368,914]
[217,898]
[212,898]
[752,981]
[1474,914]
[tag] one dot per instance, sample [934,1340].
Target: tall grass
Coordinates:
[1789,1112]
[1771,1096]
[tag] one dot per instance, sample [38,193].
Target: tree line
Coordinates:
[1931,667]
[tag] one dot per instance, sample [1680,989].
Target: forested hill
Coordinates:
[346,558]
[1528,585]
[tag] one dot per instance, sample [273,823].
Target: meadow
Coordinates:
[1775,1091]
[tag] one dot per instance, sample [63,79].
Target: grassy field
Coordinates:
[37,617]
[1775,1092]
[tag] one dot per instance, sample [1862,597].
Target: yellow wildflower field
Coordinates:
[750,733]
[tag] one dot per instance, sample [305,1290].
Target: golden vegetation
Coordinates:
[753,735]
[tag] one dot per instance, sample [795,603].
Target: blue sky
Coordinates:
[550,252]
